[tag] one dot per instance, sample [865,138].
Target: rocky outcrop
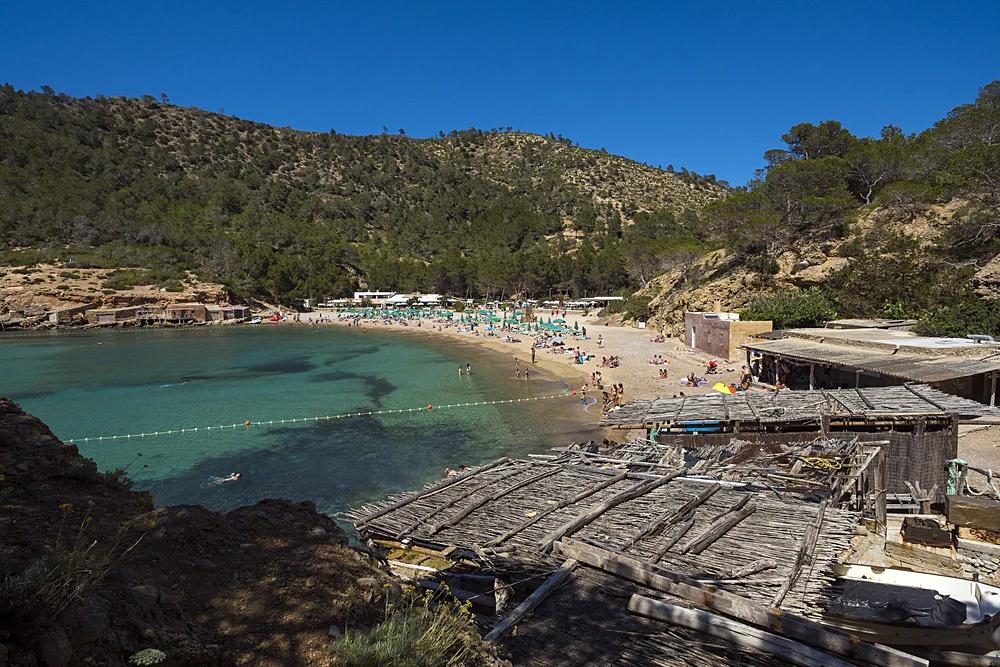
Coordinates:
[36,290]
[259,585]
[720,281]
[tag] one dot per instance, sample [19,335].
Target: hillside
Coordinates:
[116,182]
[836,225]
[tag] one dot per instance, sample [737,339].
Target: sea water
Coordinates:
[101,383]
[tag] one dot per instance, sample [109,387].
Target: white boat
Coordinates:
[254,320]
[979,631]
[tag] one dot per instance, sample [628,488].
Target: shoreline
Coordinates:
[633,346]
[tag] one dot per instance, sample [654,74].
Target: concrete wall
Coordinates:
[741,332]
[720,338]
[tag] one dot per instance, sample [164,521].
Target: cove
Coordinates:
[132,381]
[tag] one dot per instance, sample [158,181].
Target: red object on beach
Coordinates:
[275,318]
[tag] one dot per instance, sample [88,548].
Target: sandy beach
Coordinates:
[634,347]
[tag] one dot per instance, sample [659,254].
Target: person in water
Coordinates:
[468,369]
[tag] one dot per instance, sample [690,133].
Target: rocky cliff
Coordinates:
[91,573]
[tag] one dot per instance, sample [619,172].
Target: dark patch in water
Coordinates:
[376,387]
[42,393]
[351,353]
[298,364]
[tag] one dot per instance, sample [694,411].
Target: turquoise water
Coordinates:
[118,382]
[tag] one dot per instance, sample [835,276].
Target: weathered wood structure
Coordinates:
[590,538]
[919,423]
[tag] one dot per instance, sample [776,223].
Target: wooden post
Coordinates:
[857,379]
[532,601]
[993,389]
[812,376]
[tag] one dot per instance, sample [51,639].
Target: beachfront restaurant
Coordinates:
[838,358]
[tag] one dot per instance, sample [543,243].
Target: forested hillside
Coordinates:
[116,182]
[895,226]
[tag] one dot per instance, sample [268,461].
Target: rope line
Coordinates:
[270,422]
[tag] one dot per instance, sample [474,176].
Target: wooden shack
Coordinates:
[920,423]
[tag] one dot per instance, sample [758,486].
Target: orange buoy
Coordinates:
[430,407]
[247,423]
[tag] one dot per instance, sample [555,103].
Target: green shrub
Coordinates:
[966,316]
[424,631]
[793,308]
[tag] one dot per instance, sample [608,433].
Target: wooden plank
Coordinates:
[582,520]
[532,601]
[974,512]
[451,521]
[719,527]
[583,495]
[962,659]
[684,528]
[739,634]
[927,399]
[670,517]
[443,484]
[804,555]
[712,598]
[437,510]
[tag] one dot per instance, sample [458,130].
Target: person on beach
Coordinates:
[526,374]
[583,394]
[532,355]
[600,341]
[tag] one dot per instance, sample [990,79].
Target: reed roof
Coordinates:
[799,406]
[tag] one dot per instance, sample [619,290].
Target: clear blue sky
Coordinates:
[706,85]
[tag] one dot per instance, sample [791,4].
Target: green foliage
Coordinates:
[425,631]
[792,308]
[961,318]
[119,183]
[635,308]
[127,278]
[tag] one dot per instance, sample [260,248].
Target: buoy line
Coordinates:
[298,420]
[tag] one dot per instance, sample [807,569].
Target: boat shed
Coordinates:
[920,423]
[592,557]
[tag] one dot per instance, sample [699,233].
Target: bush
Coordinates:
[967,316]
[794,308]
[424,631]
[632,308]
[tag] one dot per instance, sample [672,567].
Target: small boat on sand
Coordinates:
[904,608]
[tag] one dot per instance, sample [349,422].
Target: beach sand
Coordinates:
[633,346]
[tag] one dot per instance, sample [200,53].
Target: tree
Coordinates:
[808,141]
[792,309]
[875,163]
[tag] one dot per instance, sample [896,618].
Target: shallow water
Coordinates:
[119,382]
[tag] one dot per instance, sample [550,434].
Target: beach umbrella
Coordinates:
[721,388]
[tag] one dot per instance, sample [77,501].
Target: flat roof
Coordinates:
[904,366]
[888,338]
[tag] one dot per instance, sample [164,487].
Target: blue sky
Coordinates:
[706,85]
